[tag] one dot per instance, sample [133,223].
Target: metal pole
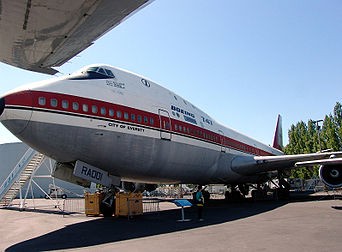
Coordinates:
[32,195]
[21,196]
[319,137]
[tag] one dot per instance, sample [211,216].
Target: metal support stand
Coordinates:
[182,203]
[183,219]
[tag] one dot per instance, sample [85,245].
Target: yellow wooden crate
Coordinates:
[128,204]
[92,203]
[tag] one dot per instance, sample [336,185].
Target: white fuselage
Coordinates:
[129,126]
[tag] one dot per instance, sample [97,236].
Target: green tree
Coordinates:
[304,138]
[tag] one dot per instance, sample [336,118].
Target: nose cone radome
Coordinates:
[2,105]
[17,113]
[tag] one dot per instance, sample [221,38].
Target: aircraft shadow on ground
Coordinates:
[109,230]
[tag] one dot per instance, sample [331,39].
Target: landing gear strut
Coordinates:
[107,206]
[283,190]
[260,192]
[236,195]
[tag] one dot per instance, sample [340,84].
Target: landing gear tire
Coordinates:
[244,189]
[259,194]
[106,210]
[233,196]
[282,194]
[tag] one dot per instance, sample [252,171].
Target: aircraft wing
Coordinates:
[331,161]
[40,34]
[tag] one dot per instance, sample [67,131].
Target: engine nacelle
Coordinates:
[331,175]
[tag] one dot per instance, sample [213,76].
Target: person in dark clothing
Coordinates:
[199,203]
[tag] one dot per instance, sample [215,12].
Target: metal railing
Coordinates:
[76,205]
[149,206]
[16,171]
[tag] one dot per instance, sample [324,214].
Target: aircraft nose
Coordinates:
[2,105]
[17,113]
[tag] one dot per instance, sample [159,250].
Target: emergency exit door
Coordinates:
[165,124]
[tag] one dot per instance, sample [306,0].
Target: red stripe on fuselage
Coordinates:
[176,127]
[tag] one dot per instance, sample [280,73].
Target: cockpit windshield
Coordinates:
[92,72]
[101,70]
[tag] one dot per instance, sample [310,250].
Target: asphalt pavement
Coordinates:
[303,224]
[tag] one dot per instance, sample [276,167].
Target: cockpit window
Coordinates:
[101,71]
[93,73]
[92,69]
[109,73]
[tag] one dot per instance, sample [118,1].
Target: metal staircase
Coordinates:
[22,172]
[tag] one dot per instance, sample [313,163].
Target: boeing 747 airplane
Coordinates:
[107,125]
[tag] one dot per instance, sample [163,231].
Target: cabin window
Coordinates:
[176,127]
[65,104]
[94,109]
[103,111]
[111,112]
[145,119]
[118,114]
[75,106]
[139,118]
[133,117]
[53,102]
[151,121]
[167,125]
[126,116]
[85,107]
[41,101]
[180,128]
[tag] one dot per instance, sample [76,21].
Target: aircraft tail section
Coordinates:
[278,135]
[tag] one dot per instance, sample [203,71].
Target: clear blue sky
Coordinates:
[242,62]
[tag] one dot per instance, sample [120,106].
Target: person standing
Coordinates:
[199,203]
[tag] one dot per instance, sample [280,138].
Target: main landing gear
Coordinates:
[107,206]
[280,192]
[236,192]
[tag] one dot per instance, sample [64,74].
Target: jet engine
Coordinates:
[331,175]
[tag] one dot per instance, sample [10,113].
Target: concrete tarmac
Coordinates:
[301,225]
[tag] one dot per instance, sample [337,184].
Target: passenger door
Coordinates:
[165,124]
[223,147]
